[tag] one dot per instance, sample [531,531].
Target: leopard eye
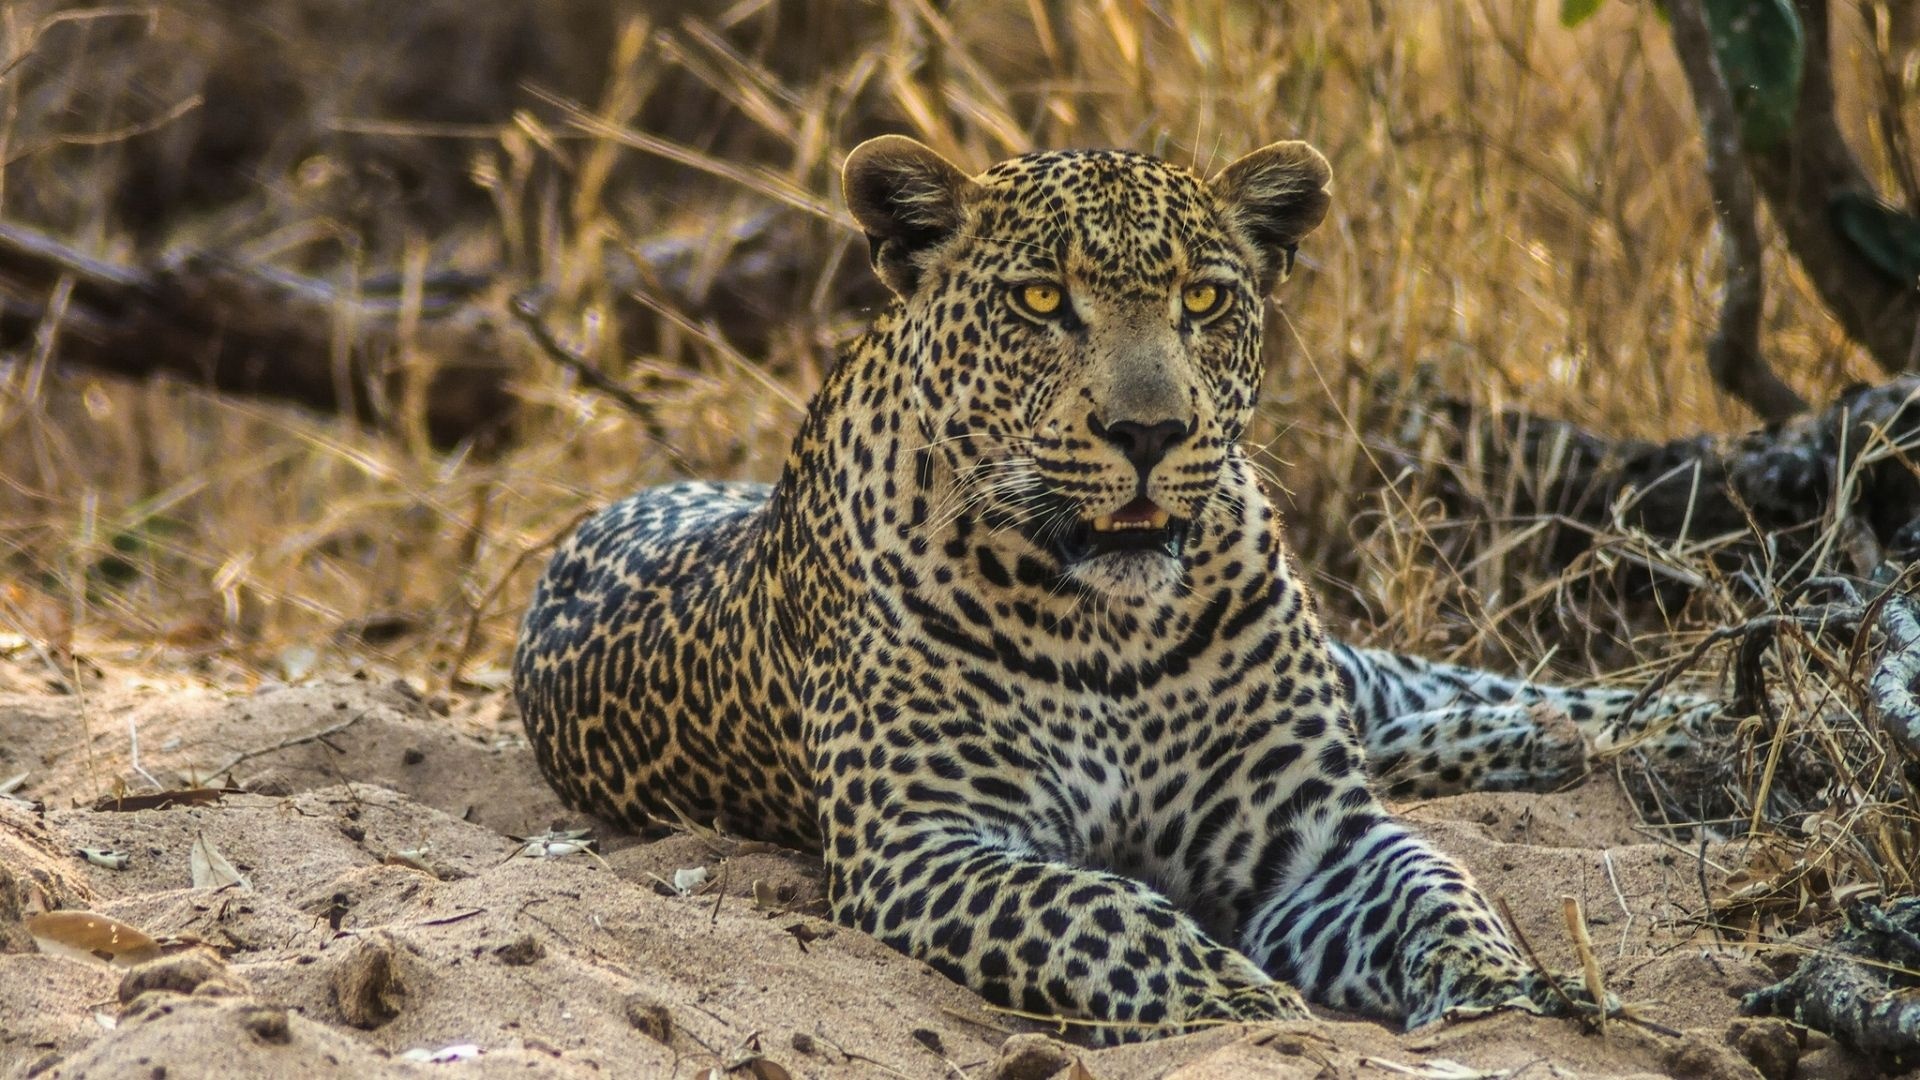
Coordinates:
[1202,299]
[1040,301]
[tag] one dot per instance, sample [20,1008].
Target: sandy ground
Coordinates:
[384,919]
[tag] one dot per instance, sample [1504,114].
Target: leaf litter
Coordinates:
[95,938]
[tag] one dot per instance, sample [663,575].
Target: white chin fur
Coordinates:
[1129,575]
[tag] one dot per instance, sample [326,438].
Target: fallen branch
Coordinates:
[254,330]
[1769,496]
[1843,626]
[1891,692]
[1859,988]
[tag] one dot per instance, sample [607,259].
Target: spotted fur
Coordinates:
[1431,728]
[1103,773]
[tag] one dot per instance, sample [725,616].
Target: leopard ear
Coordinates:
[1275,196]
[908,199]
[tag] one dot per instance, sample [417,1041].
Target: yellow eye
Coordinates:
[1042,300]
[1202,299]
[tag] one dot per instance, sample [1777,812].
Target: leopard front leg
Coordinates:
[1378,921]
[953,842]
[1043,936]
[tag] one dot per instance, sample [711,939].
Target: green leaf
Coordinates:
[1889,239]
[1575,12]
[1762,52]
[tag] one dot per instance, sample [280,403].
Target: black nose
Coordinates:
[1144,444]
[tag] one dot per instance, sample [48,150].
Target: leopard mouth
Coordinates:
[1141,525]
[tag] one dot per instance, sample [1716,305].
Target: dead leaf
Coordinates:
[83,935]
[411,858]
[553,844]
[444,1055]
[106,859]
[211,870]
[687,879]
[1079,1071]
[763,1069]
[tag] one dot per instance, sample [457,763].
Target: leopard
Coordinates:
[1015,641]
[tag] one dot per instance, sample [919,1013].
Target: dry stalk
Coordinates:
[1576,920]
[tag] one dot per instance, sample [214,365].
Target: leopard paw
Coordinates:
[1243,1004]
[1466,978]
[1558,993]
[1549,994]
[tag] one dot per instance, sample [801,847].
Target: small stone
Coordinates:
[521,951]
[273,783]
[1030,1057]
[366,984]
[802,1042]
[650,1018]
[1691,1058]
[930,1039]
[412,755]
[189,972]
[1698,1056]
[1772,1045]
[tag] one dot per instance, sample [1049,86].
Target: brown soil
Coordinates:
[339,956]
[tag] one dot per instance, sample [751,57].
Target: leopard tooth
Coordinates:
[1103,523]
[1160,518]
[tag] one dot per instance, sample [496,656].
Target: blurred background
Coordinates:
[545,254]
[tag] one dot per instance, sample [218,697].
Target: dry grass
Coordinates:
[1520,219]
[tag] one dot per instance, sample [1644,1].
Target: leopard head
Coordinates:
[1081,334]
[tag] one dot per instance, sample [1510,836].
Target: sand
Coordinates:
[385,919]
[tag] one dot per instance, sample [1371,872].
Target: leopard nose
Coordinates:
[1143,444]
